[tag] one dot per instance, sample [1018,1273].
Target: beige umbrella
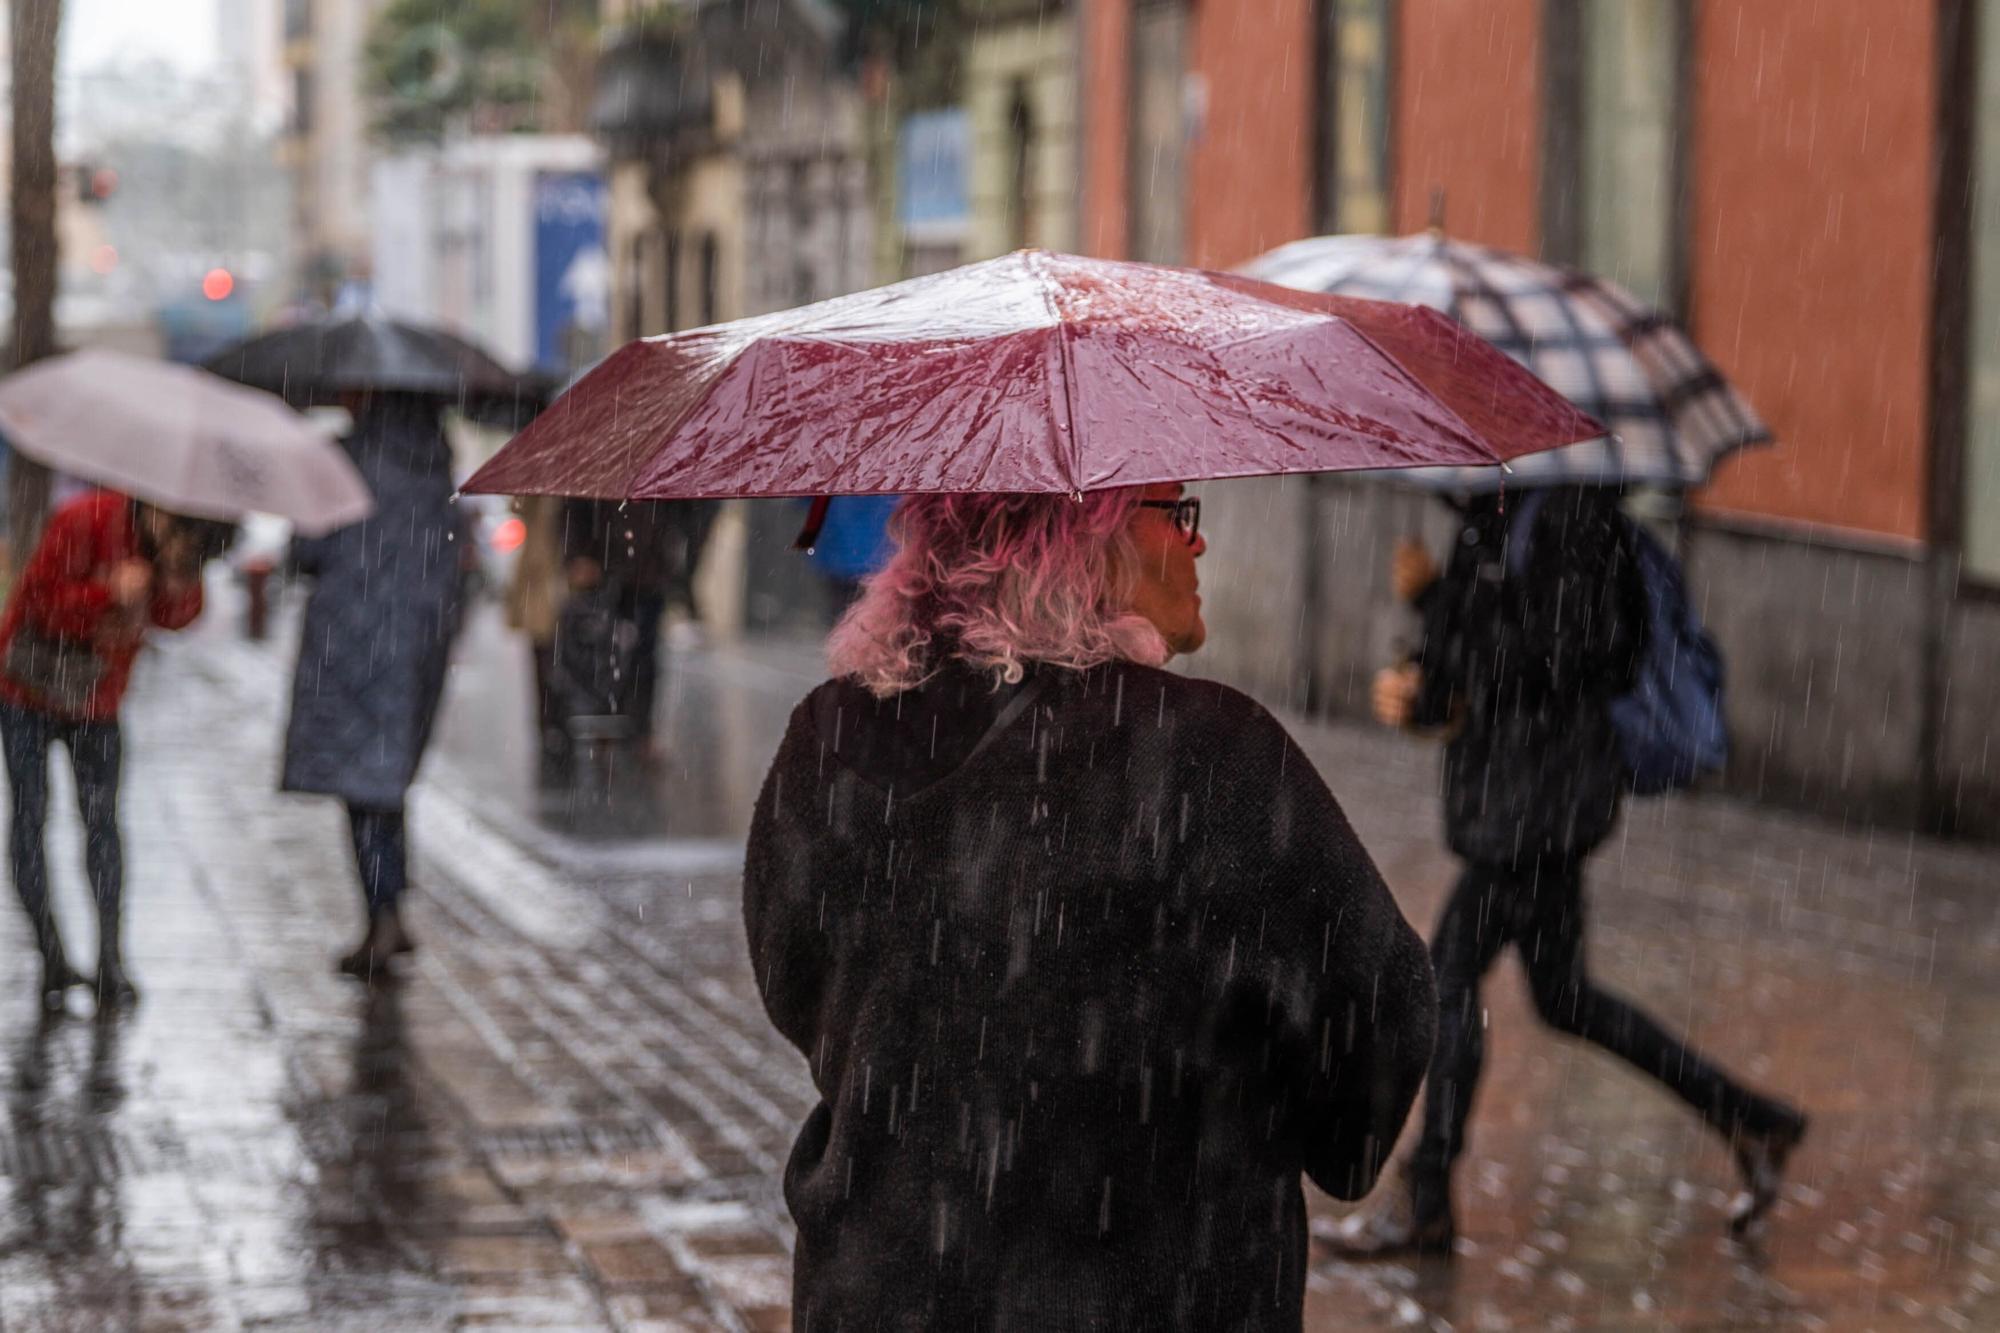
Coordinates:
[180,438]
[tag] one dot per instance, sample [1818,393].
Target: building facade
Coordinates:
[1810,186]
[327,143]
[738,185]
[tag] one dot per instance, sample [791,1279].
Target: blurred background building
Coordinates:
[1808,185]
[1811,186]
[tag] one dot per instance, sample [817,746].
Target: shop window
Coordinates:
[1352,129]
[1156,176]
[1982,440]
[1611,185]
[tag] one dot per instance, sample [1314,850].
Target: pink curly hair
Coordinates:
[998,581]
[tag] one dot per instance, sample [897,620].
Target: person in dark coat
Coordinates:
[1087,962]
[1520,670]
[373,655]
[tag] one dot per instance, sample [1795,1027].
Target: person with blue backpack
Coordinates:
[1561,659]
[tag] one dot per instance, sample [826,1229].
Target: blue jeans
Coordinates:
[96,757]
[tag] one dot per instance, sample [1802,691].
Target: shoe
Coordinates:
[369,961]
[1390,1228]
[1761,1158]
[114,989]
[57,977]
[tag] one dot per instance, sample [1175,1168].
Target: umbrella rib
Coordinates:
[1066,368]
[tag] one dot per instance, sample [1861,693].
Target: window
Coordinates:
[1156,179]
[1982,440]
[302,101]
[632,315]
[1352,129]
[1020,168]
[1611,195]
[670,281]
[710,262]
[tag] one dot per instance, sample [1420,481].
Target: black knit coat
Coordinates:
[1081,1005]
[1524,655]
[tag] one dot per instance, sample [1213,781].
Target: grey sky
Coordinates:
[98,32]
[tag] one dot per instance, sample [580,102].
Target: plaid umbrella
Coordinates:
[1672,415]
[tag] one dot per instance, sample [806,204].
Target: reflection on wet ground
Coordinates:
[572,1113]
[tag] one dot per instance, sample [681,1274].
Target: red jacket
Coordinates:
[65,591]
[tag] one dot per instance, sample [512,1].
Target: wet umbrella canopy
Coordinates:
[1672,416]
[180,438]
[315,362]
[1035,372]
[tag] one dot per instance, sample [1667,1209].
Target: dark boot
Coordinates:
[57,975]
[114,987]
[115,991]
[1410,1217]
[1761,1158]
[369,962]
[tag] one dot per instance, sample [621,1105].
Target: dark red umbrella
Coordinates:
[1034,372]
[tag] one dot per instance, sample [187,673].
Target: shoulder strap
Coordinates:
[1024,699]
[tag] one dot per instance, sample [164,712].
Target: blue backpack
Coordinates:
[1670,725]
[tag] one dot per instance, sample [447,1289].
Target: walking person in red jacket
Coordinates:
[107,569]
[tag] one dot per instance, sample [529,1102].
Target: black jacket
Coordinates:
[1527,663]
[386,603]
[1080,1005]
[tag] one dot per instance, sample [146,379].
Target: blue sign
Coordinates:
[572,269]
[931,174]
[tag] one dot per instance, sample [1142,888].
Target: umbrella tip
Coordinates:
[1437,210]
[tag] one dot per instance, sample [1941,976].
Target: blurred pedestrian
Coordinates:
[1532,630]
[107,569]
[688,524]
[1087,962]
[632,545]
[852,543]
[373,656]
[534,600]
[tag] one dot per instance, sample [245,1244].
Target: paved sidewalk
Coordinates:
[573,1115]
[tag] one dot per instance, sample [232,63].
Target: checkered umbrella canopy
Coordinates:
[1672,415]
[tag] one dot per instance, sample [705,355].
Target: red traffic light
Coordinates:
[217,284]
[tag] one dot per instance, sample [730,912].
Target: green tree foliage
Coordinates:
[482,66]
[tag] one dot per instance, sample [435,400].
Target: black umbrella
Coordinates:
[315,362]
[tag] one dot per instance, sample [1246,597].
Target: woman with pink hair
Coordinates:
[1086,961]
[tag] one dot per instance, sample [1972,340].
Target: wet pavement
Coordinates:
[573,1113]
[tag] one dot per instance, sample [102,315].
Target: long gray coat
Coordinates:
[385,606]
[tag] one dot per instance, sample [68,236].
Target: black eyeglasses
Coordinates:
[1187,514]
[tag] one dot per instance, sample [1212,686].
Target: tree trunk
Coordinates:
[32,206]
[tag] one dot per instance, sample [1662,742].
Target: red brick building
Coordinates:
[1813,186]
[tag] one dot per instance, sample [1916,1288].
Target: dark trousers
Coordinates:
[1538,909]
[648,611]
[381,853]
[96,756]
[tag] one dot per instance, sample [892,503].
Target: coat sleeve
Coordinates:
[1340,997]
[59,587]
[1440,655]
[787,950]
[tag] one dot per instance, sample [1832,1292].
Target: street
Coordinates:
[573,1114]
